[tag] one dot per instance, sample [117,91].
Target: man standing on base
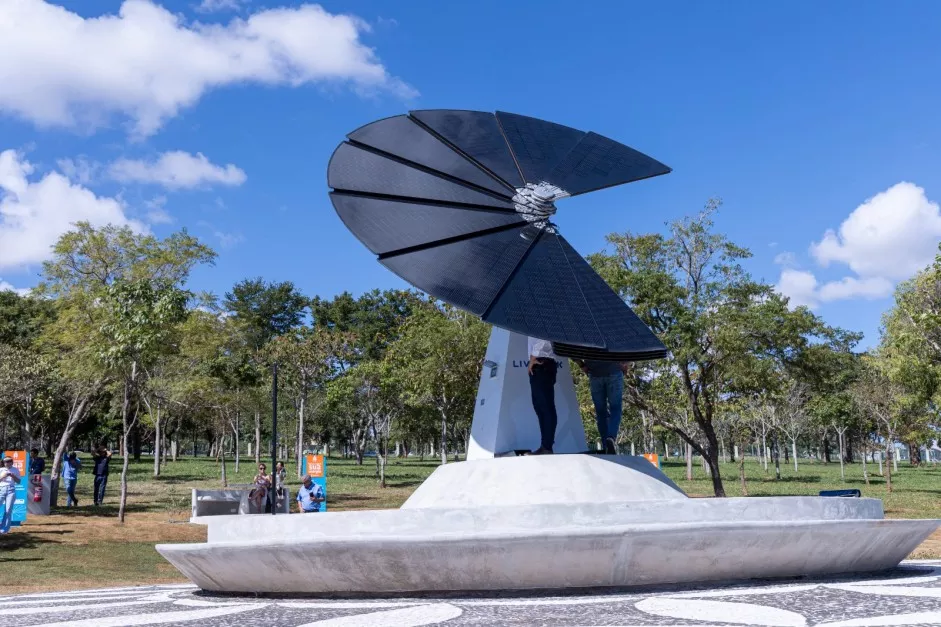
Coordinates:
[606,381]
[543,369]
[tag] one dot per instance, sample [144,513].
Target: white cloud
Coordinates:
[156,213]
[6,287]
[893,234]
[176,170]
[799,286]
[215,6]
[786,259]
[58,68]
[870,288]
[802,288]
[34,213]
[80,170]
[886,239]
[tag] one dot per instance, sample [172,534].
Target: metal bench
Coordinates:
[850,493]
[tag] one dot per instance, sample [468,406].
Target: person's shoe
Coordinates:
[610,448]
[542,451]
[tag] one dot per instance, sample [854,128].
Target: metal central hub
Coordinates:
[536,202]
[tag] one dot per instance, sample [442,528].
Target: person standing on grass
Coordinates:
[309,496]
[102,460]
[37,464]
[9,477]
[70,468]
[606,382]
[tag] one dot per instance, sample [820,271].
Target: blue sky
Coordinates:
[796,114]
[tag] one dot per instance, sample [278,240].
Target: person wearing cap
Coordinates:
[309,496]
[9,477]
[543,369]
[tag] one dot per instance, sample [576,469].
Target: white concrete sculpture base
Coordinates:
[504,419]
[554,521]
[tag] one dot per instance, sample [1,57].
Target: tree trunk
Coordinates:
[776,453]
[225,478]
[235,430]
[839,435]
[300,434]
[794,452]
[444,438]
[890,452]
[174,447]
[257,437]
[136,442]
[914,454]
[741,474]
[826,449]
[157,443]
[77,414]
[689,462]
[128,389]
[764,447]
[865,472]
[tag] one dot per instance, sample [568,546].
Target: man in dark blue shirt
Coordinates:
[606,380]
[101,459]
[37,464]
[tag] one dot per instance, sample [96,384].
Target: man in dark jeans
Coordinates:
[543,369]
[606,382]
[101,458]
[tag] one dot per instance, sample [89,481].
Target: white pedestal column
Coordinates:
[504,419]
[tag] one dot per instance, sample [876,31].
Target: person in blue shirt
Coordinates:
[70,468]
[310,496]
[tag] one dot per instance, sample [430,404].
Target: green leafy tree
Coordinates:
[86,263]
[263,312]
[138,319]
[438,358]
[728,335]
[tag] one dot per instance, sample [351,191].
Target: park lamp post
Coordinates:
[274,437]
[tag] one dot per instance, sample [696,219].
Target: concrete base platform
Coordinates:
[581,522]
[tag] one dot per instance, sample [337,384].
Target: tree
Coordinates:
[86,265]
[310,357]
[884,402]
[263,312]
[438,358]
[139,317]
[728,335]
[793,417]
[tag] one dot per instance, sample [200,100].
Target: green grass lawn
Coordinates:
[87,547]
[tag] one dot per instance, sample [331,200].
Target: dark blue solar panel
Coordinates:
[573,351]
[404,138]
[538,145]
[467,273]
[477,135]
[598,162]
[356,169]
[622,330]
[388,225]
[544,300]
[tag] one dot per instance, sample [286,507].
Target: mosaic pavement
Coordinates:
[910,595]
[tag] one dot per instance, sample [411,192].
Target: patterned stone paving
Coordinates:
[909,595]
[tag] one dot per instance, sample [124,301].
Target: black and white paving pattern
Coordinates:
[910,595]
